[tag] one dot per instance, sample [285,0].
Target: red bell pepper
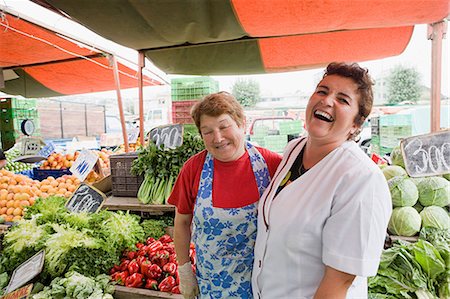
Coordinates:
[154,247]
[151,284]
[141,259]
[150,240]
[170,268]
[165,239]
[145,268]
[133,267]
[130,255]
[135,280]
[139,245]
[154,271]
[120,277]
[167,284]
[176,290]
[161,257]
[124,265]
[173,258]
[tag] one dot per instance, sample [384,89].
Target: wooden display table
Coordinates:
[132,204]
[137,293]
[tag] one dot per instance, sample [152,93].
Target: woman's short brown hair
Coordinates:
[216,104]
[362,78]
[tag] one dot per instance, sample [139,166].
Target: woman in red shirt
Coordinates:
[216,196]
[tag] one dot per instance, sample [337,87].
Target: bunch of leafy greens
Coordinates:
[160,167]
[87,243]
[51,209]
[74,285]
[414,270]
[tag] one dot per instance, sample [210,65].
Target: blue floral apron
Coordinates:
[224,238]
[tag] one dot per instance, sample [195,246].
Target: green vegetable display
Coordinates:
[415,270]
[434,216]
[405,221]
[393,171]
[76,286]
[404,192]
[87,243]
[397,157]
[434,191]
[161,167]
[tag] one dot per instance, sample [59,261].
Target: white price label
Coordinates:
[84,164]
[133,135]
[30,146]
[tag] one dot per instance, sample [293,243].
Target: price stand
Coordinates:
[86,199]
[170,136]
[26,271]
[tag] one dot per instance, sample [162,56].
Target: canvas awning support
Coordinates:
[113,61]
[436,32]
[141,65]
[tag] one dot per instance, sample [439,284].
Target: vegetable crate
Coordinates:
[181,112]
[275,143]
[185,89]
[42,174]
[123,182]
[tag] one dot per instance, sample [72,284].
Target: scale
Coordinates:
[30,145]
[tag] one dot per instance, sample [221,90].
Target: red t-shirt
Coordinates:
[234,182]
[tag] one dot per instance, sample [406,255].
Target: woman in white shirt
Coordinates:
[322,221]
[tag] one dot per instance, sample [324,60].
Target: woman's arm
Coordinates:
[182,236]
[334,284]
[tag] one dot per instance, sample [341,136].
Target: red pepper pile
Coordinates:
[153,266]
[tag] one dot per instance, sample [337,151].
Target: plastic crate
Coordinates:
[185,89]
[181,112]
[124,184]
[291,127]
[42,174]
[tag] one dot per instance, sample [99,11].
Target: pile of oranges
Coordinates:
[18,191]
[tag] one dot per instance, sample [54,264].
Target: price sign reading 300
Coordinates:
[427,154]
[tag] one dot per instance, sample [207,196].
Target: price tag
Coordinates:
[86,199]
[170,136]
[427,155]
[26,271]
[133,135]
[84,164]
[47,150]
[30,146]
[21,293]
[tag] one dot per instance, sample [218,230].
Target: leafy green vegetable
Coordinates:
[393,171]
[434,216]
[403,191]
[51,209]
[119,230]
[154,228]
[405,221]
[397,157]
[434,191]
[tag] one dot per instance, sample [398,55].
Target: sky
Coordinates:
[416,55]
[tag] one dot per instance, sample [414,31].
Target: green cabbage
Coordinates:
[403,191]
[397,157]
[434,191]
[405,221]
[393,171]
[434,216]
[446,176]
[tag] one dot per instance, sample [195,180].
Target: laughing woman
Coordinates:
[217,191]
[322,221]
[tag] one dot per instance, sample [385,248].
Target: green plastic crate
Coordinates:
[291,127]
[275,143]
[185,89]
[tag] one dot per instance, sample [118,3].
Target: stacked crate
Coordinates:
[391,130]
[12,113]
[188,91]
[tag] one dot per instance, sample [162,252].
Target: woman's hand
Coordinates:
[188,281]
[334,284]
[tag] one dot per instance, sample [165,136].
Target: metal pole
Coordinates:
[85,120]
[119,101]
[61,119]
[141,63]
[436,32]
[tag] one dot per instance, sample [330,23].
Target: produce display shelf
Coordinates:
[132,204]
[136,293]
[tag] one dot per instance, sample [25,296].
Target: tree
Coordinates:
[403,84]
[246,91]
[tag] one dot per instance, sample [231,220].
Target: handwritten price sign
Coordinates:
[86,199]
[427,155]
[170,136]
[84,164]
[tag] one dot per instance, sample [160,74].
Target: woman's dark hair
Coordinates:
[362,78]
[216,104]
